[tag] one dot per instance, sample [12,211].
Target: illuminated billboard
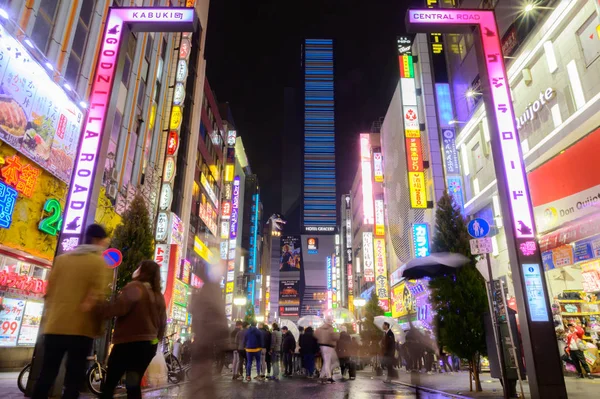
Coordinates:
[367,181]
[412,127]
[379,217]
[119,21]
[381,280]
[235,204]
[421,240]
[367,250]
[378,166]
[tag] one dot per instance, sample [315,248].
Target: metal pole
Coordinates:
[512,340]
[496,327]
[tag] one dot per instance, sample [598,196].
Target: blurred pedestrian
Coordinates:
[288,348]
[239,339]
[209,326]
[445,363]
[68,327]
[266,346]
[343,350]
[388,344]
[298,360]
[236,353]
[141,321]
[576,347]
[253,344]
[276,340]
[327,338]
[309,348]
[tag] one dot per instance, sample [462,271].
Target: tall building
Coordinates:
[319,209]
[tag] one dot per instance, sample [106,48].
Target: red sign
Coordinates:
[414,156]
[350,278]
[196,281]
[172,142]
[23,177]
[226,209]
[28,284]
[509,41]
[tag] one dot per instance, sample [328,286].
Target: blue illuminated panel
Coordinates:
[444,103]
[319,134]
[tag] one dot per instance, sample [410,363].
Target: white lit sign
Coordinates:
[367,182]
[166,196]
[179,94]
[182,71]
[231,136]
[378,167]
[162,226]
[170,168]
[367,250]
[379,218]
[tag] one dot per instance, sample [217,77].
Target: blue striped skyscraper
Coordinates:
[319,212]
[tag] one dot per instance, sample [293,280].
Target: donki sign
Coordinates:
[119,23]
[235,204]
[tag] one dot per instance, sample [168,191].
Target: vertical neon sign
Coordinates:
[118,23]
[367,181]
[544,366]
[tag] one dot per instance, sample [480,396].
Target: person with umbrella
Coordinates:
[388,344]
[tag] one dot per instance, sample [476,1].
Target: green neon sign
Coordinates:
[51,225]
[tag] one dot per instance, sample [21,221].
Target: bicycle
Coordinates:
[23,378]
[95,375]
[175,371]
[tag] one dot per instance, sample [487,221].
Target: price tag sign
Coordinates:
[10,321]
[481,246]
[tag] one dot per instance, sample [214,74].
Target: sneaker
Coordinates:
[248,378]
[261,378]
[591,377]
[331,380]
[352,378]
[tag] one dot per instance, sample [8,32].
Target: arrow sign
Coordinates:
[112,257]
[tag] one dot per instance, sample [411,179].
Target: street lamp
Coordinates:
[241,302]
[359,303]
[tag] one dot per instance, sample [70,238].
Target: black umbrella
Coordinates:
[434,265]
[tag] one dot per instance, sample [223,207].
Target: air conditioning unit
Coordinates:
[112,191]
[114,174]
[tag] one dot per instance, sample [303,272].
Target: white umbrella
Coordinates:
[394,326]
[291,326]
[340,315]
[310,321]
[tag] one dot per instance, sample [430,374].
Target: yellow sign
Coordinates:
[418,193]
[176,117]
[202,250]
[381,280]
[229,287]
[152,118]
[401,300]
[229,170]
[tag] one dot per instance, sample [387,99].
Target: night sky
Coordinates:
[253,52]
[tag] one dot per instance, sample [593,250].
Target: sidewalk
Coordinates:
[458,383]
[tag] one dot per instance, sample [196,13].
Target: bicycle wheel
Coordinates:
[23,378]
[95,377]
[174,368]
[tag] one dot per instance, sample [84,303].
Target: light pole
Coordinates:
[359,303]
[240,301]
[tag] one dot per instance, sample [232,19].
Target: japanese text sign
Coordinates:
[421,240]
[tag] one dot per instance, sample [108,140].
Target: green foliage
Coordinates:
[459,300]
[134,238]
[249,317]
[370,333]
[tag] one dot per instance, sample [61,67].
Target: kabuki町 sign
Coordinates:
[82,180]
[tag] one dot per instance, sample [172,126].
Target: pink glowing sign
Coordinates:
[119,20]
[501,100]
[367,181]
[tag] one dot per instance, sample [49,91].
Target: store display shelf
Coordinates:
[564,314]
[578,301]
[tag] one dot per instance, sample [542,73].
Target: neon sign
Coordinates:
[421,240]
[172,142]
[379,218]
[21,176]
[8,197]
[51,225]
[118,21]
[367,183]
[378,167]
[235,203]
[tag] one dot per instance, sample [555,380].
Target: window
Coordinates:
[128,60]
[112,144]
[130,155]
[79,42]
[477,154]
[44,24]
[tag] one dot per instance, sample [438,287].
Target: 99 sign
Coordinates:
[9,326]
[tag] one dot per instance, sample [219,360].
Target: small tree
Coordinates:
[459,300]
[134,238]
[370,333]
[249,317]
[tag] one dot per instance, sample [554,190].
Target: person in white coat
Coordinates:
[327,338]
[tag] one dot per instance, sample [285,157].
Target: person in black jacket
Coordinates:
[287,348]
[266,348]
[309,348]
[343,350]
[389,351]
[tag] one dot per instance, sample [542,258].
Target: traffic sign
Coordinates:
[481,246]
[112,257]
[478,228]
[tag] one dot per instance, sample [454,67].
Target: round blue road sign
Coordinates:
[478,228]
[112,257]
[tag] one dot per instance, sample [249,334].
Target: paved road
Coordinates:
[365,386]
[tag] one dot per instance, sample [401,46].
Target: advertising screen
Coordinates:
[36,116]
[31,323]
[289,292]
[291,255]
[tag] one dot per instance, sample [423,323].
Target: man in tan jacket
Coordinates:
[327,338]
[67,327]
